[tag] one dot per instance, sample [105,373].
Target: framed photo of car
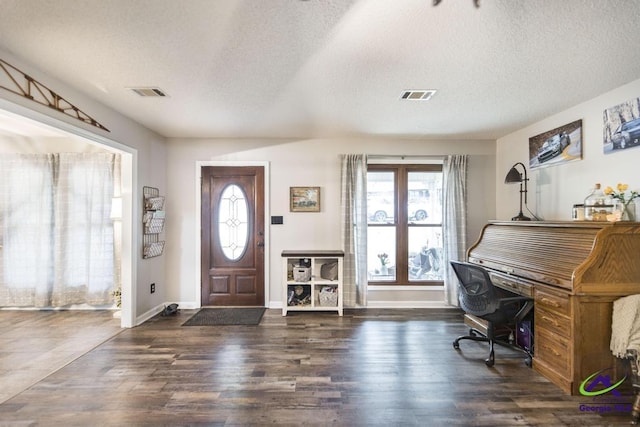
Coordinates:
[556,146]
[304,199]
[621,128]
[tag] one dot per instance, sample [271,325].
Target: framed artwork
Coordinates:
[304,199]
[556,146]
[621,128]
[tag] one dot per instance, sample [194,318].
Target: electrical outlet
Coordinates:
[153,287]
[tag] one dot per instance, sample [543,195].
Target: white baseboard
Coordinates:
[149,314]
[190,305]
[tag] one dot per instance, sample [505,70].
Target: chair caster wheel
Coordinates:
[528,362]
[489,362]
[456,345]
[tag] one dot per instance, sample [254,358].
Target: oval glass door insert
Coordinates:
[233,225]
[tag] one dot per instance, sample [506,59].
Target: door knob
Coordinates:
[260,244]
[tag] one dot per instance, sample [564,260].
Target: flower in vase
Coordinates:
[384,258]
[622,194]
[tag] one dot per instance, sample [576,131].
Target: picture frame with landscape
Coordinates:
[304,199]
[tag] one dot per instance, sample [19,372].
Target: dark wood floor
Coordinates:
[368,368]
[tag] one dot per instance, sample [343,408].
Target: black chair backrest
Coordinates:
[477,294]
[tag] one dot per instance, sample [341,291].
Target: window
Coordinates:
[404,235]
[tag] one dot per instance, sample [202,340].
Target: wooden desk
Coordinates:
[574,271]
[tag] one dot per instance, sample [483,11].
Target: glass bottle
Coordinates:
[597,205]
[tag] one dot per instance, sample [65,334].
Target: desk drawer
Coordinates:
[553,302]
[552,321]
[553,350]
[512,284]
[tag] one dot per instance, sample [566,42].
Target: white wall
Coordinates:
[554,190]
[145,160]
[314,162]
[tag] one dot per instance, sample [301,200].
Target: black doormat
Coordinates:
[226,316]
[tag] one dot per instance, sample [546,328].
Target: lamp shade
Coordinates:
[513,176]
[116,208]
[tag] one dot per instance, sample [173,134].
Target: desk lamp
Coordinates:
[514,176]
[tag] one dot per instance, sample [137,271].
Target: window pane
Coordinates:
[424,201]
[381,253]
[233,222]
[380,197]
[425,253]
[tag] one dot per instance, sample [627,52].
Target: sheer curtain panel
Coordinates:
[454,222]
[56,231]
[26,231]
[354,228]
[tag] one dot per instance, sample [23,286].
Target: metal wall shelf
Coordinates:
[153,222]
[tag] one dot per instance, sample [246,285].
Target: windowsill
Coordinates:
[373,288]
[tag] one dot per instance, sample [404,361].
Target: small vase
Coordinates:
[628,211]
[383,270]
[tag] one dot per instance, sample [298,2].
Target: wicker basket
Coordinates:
[301,274]
[328,297]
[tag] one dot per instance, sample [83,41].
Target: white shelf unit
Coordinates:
[305,295]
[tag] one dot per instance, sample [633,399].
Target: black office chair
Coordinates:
[501,309]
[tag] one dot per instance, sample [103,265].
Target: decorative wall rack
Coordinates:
[22,84]
[153,222]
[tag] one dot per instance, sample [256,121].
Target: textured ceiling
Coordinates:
[324,68]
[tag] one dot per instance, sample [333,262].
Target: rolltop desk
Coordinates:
[574,271]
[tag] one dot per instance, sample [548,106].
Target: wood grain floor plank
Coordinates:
[368,368]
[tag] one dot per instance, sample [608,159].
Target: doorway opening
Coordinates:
[25,130]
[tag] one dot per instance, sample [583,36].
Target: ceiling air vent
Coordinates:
[418,95]
[148,91]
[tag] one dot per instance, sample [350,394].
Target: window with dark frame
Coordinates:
[404,235]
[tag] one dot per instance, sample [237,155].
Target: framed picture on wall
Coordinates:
[304,199]
[621,128]
[556,146]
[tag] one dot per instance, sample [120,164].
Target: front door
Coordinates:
[232,236]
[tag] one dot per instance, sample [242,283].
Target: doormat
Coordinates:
[226,316]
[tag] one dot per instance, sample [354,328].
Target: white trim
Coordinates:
[267,238]
[130,228]
[409,304]
[187,305]
[405,160]
[149,314]
[275,304]
[373,288]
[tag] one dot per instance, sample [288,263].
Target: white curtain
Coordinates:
[454,221]
[57,234]
[26,200]
[354,229]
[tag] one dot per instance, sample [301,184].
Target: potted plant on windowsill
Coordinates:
[384,259]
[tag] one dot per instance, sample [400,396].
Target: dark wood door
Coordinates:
[232,236]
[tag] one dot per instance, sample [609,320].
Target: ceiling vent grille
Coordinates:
[148,91]
[418,95]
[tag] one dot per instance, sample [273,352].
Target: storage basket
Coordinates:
[301,274]
[328,297]
[329,270]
